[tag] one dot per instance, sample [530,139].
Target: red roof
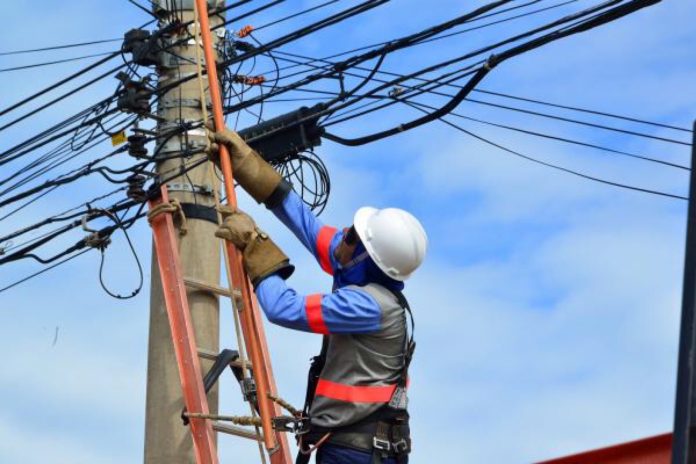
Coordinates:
[653,450]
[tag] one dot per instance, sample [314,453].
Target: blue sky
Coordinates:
[548,308]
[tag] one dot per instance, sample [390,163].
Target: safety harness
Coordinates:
[385,433]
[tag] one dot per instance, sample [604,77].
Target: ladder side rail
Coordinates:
[250,327]
[183,335]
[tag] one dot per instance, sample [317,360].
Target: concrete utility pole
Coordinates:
[167,440]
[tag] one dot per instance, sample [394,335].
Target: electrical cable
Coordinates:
[550,165]
[295,15]
[425,34]
[50,63]
[57,159]
[139,6]
[566,170]
[59,47]
[314,27]
[576,121]
[61,82]
[583,110]
[102,250]
[60,217]
[38,273]
[550,136]
[379,44]
[67,79]
[580,26]
[560,139]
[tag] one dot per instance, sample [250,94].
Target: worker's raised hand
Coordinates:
[236,145]
[251,171]
[262,257]
[237,227]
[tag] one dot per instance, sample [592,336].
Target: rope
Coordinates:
[171,207]
[284,404]
[216,197]
[237,420]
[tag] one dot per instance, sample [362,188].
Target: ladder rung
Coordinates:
[212,356]
[237,431]
[217,290]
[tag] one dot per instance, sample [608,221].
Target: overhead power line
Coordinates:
[283,57]
[558,138]
[577,121]
[50,63]
[59,47]
[584,110]
[45,269]
[546,163]
[561,168]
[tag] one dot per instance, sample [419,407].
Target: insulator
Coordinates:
[136,146]
[135,97]
[136,188]
[142,45]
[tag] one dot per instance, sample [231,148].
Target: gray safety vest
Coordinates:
[361,371]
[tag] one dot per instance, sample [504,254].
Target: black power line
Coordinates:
[59,47]
[547,164]
[50,63]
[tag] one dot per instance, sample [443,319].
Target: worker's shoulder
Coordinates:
[384,297]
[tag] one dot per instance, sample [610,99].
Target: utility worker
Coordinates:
[356,396]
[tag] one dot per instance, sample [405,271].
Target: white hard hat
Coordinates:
[393,238]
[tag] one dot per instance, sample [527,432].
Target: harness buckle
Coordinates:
[381,444]
[400,446]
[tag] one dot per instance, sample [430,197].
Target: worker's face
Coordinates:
[344,251]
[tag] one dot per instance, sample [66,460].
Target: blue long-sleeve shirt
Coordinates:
[345,310]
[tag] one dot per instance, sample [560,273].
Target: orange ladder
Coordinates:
[174,289]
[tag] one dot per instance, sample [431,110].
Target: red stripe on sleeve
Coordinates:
[353,393]
[315,318]
[324,237]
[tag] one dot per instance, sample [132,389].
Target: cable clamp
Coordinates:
[396,91]
[248,80]
[491,62]
[95,239]
[245,31]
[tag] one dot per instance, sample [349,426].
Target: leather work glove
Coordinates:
[261,256]
[251,171]
[236,145]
